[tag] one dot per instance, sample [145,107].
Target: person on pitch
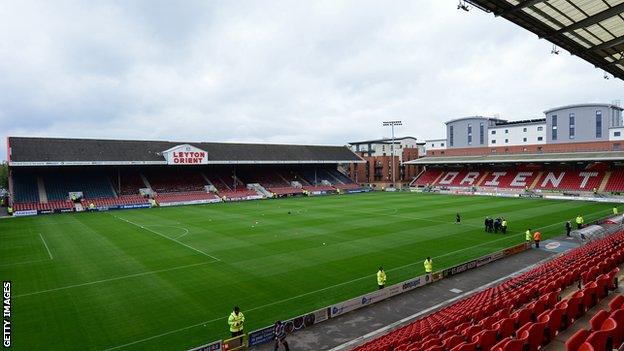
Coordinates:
[381,278]
[236,322]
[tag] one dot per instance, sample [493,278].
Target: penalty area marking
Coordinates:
[186,231]
[168,238]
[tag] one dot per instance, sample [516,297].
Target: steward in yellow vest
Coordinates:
[381,278]
[236,321]
[579,222]
[528,236]
[428,265]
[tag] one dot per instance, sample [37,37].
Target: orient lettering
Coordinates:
[188,157]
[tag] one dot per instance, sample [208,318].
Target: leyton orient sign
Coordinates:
[185,155]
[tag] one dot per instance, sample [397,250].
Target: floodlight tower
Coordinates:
[392,124]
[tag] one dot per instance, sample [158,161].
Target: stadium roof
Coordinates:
[68,152]
[590,29]
[521,158]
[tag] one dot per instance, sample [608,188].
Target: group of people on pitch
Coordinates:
[493,225]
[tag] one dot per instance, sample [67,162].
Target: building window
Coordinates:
[554,127]
[572,126]
[616,134]
[539,129]
[599,124]
[506,141]
[540,138]
[469,134]
[494,141]
[506,131]
[524,139]
[442,144]
[524,130]
[493,132]
[481,133]
[451,135]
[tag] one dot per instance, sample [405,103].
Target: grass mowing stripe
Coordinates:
[114,279]
[301,295]
[166,237]
[276,265]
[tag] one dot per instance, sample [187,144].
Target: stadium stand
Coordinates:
[179,180]
[127,183]
[91,184]
[542,179]
[25,189]
[616,181]
[524,312]
[112,172]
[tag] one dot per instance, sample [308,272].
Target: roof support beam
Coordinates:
[591,20]
[523,5]
[607,45]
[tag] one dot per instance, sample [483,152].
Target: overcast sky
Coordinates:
[318,72]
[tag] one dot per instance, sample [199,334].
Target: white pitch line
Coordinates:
[299,296]
[166,237]
[46,246]
[273,303]
[115,278]
[20,263]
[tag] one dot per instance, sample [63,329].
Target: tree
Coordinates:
[4,175]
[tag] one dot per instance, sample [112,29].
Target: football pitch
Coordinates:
[167,278]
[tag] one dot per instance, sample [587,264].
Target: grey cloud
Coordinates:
[323,72]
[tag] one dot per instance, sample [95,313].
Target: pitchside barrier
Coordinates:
[540,195]
[265,335]
[610,225]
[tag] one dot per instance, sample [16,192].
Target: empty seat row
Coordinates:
[516,313]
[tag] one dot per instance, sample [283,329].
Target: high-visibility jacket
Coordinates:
[615,210]
[428,266]
[381,277]
[504,224]
[10,210]
[528,236]
[579,220]
[236,321]
[537,236]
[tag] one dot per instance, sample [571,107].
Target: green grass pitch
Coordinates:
[167,278]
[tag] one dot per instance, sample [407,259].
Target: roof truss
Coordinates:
[595,37]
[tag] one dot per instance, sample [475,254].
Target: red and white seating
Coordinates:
[571,180]
[524,312]
[185,196]
[427,178]
[616,182]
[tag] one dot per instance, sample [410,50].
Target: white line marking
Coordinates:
[20,263]
[115,278]
[278,302]
[46,246]
[320,290]
[186,231]
[166,237]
